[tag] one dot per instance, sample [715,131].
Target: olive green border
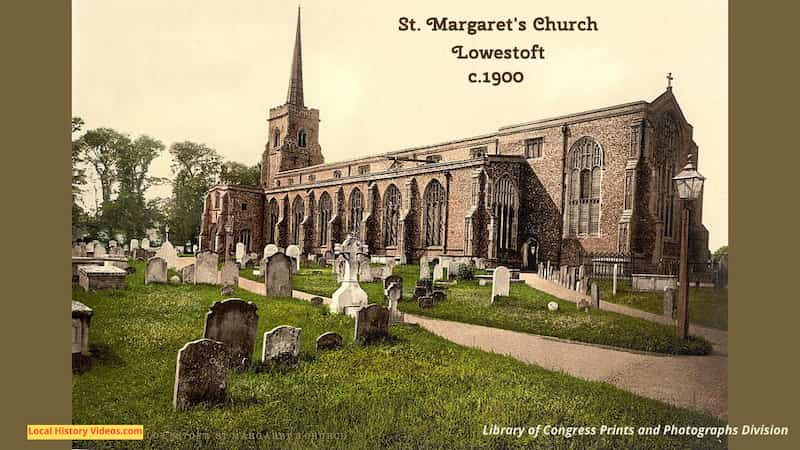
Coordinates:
[764,310]
[35,219]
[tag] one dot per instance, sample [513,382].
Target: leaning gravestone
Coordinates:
[595,296]
[329,341]
[234,323]
[205,270]
[200,374]
[156,271]
[281,346]
[501,281]
[278,276]
[230,274]
[293,252]
[187,274]
[669,301]
[372,323]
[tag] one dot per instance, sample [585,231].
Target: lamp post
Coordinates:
[689,184]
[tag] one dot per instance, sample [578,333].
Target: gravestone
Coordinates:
[364,269]
[388,268]
[372,323]
[419,292]
[438,297]
[339,267]
[595,296]
[501,282]
[230,274]
[278,276]
[552,306]
[227,290]
[293,252]
[396,279]
[582,279]
[393,294]
[112,243]
[81,319]
[174,280]
[145,244]
[583,304]
[317,301]
[99,250]
[205,271]
[134,245]
[200,374]
[614,281]
[239,252]
[76,250]
[425,302]
[669,302]
[424,269]
[329,341]
[168,253]
[234,323]
[281,346]
[438,272]
[187,274]
[349,294]
[270,250]
[156,271]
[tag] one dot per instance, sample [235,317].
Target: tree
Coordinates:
[196,168]
[100,149]
[78,179]
[236,173]
[718,253]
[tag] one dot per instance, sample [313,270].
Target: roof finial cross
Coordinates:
[669,81]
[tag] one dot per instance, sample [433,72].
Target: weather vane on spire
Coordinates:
[669,81]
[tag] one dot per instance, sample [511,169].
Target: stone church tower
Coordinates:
[293,139]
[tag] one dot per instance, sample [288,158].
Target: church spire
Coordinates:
[295,94]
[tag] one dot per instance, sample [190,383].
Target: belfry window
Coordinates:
[585,178]
[356,211]
[337,174]
[391,221]
[276,138]
[505,212]
[324,217]
[434,201]
[298,211]
[301,138]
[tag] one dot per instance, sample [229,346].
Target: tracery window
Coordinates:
[272,220]
[533,147]
[356,211]
[298,212]
[391,221]
[324,217]
[505,210]
[586,172]
[666,165]
[434,201]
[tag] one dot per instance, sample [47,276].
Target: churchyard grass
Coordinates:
[526,311]
[414,390]
[707,306]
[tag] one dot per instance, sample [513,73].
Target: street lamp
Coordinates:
[689,184]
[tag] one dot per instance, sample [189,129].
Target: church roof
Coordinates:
[295,94]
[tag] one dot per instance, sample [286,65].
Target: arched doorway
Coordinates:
[530,255]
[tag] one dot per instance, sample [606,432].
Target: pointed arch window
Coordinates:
[434,201]
[391,221]
[272,220]
[324,217]
[298,212]
[585,182]
[505,212]
[301,138]
[667,143]
[276,138]
[356,211]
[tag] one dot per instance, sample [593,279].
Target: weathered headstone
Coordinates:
[174,280]
[317,301]
[552,306]
[187,274]
[393,294]
[145,244]
[329,341]
[349,294]
[501,282]
[293,252]
[168,253]
[438,272]
[278,276]
[388,268]
[614,281]
[339,267]
[99,250]
[438,297]
[205,270]
[234,323]
[424,269]
[669,302]
[419,292]
[281,346]
[134,245]
[240,251]
[112,243]
[372,323]
[81,319]
[364,269]
[200,374]
[227,290]
[230,274]
[396,279]
[583,304]
[425,302]
[595,296]
[156,271]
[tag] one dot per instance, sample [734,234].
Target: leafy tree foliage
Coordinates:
[195,168]
[239,174]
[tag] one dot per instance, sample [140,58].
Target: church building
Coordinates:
[596,183]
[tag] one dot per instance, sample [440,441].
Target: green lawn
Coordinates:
[707,306]
[525,310]
[414,390]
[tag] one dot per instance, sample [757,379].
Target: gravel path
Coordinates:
[695,382]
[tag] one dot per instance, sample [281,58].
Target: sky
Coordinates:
[208,71]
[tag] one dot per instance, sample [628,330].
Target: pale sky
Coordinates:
[208,71]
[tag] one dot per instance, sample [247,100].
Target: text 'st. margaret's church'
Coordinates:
[597,182]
